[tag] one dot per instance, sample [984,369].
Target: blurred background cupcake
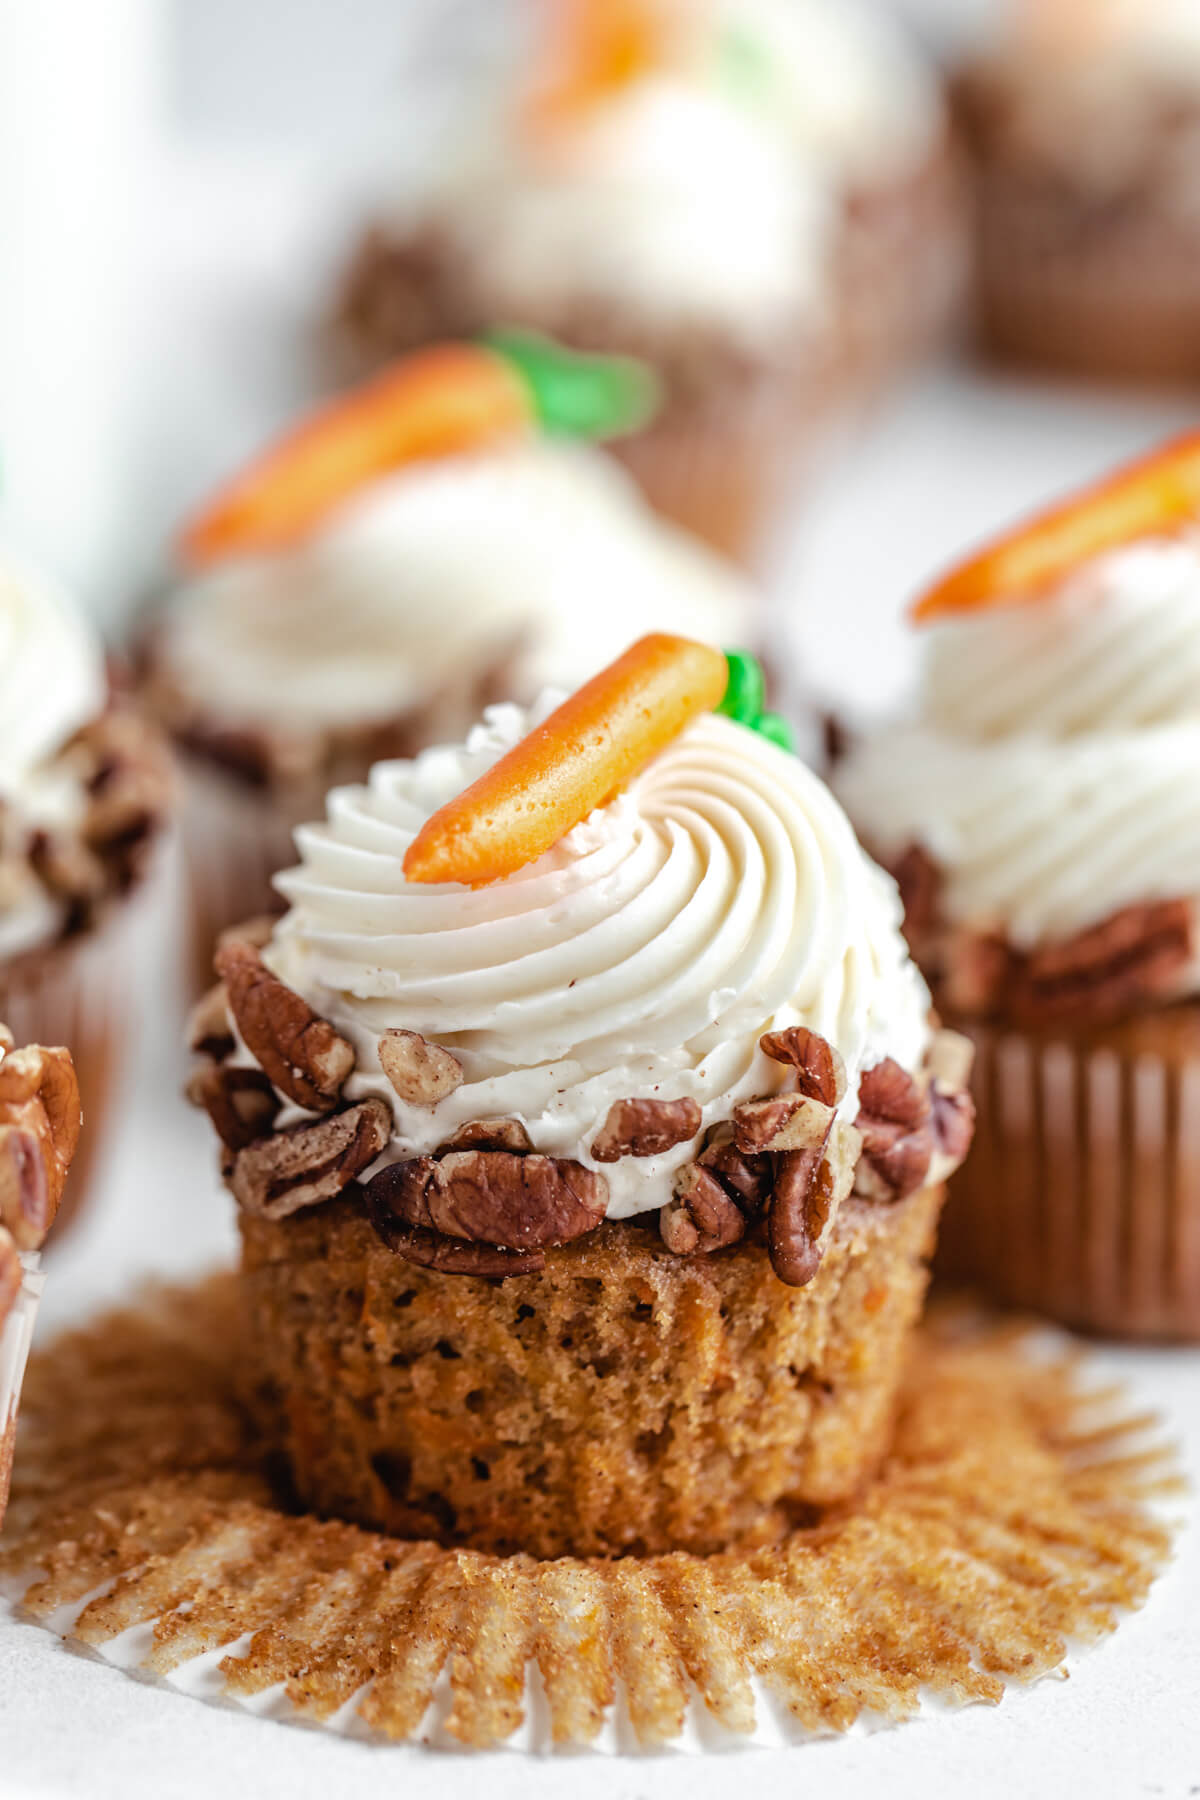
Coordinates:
[437,539]
[1041,817]
[754,195]
[1083,125]
[83,792]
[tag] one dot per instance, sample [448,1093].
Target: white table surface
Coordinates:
[952,457]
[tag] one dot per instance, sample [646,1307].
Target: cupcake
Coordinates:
[83,791]
[1041,817]
[587,1128]
[436,539]
[753,195]
[39,1129]
[1083,127]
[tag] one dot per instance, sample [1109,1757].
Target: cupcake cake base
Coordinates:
[1011,1517]
[622,1399]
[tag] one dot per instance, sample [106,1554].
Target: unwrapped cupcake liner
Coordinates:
[16,1335]
[1017,1517]
[1081,1195]
[80,993]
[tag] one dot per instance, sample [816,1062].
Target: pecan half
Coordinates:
[494,1197]
[645,1128]
[490,1134]
[1129,958]
[241,1103]
[208,1030]
[716,1199]
[300,1053]
[781,1122]
[39,1100]
[308,1163]
[420,1072]
[449,1256]
[820,1071]
[747,1178]
[810,1186]
[895,1119]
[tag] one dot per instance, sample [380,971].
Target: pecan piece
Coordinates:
[490,1134]
[820,1071]
[896,1121]
[420,1072]
[241,1103]
[449,1256]
[746,1178]
[308,1163]
[953,1125]
[494,1197]
[920,881]
[1133,956]
[208,1029]
[810,1186]
[25,1208]
[39,1095]
[781,1122]
[645,1128]
[702,1217]
[300,1053]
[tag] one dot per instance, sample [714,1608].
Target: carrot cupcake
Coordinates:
[435,539]
[587,1128]
[39,1129]
[1083,125]
[1042,816]
[753,195]
[82,793]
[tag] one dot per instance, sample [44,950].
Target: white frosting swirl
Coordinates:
[539,556]
[52,681]
[723,894]
[1054,771]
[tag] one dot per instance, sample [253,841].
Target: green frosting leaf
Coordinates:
[577,395]
[745,698]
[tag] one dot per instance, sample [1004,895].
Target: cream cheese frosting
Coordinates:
[540,557]
[52,681]
[1053,769]
[721,895]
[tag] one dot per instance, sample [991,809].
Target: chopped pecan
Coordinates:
[1129,958]
[820,1071]
[208,1028]
[68,867]
[953,1124]
[810,1185]
[895,1119]
[645,1128]
[490,1134]
[977,973]
[781,1122]
[746,1178]
[10,1278]
[39,1099]
[24,1190]
[241,1103]
[301,1053]
[702,1217]
[494,1197]
[449,1256]
[308,1163]
[420,1072]
[920,881]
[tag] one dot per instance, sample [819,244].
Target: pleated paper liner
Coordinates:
[1081,1196]
[1014,1518]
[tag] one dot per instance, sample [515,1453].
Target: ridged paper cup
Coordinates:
[16,1335]
[1081,1196]
[79,993]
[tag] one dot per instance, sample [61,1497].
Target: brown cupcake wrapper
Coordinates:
[1081,1195]
[80,993]
[16,1335]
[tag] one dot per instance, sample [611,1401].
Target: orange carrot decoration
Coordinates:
[573,762]
[1151,497]
[436,402]
[593,48]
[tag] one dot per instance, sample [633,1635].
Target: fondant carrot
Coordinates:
[573,762]
[439,401]
[591,48]
[1155,495]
